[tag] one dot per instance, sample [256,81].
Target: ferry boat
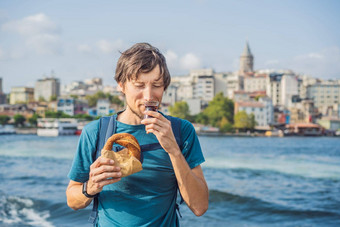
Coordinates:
[56,127]
[7,129]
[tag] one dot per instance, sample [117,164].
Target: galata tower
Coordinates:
[246,60]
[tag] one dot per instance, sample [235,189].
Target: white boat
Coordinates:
[7,129]
[56,127]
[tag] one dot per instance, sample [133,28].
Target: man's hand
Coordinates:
[102,172]
[161,128]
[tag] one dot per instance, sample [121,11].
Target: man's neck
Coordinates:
[129,117]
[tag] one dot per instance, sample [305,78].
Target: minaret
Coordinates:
[246,60]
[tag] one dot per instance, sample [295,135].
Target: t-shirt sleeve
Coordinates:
[84,155]
[191,148]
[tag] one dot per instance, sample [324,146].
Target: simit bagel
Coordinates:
[127,140]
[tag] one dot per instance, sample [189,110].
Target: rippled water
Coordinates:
[291,181]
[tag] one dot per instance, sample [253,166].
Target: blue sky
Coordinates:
[82,39]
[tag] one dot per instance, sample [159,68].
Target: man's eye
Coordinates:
[139,85]
[157,85]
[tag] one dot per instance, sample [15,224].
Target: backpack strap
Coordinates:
[107,125]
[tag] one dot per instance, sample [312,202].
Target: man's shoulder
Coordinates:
[92,127]
[185,124]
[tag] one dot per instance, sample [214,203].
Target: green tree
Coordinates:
[201,118]
[34,119]
[41,99]
[244,121]
[218,108]
[180,109]
[225,125]
[4,119]
[53,98]
[59,114]
[19,119]
[251,121]
[92,99]
[84,116]
[241,120]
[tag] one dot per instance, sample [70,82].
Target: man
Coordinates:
[146,198]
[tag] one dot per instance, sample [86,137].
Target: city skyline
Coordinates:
[82,39]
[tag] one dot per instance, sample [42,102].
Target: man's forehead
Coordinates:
[138,79]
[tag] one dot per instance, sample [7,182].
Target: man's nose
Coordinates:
[147,93]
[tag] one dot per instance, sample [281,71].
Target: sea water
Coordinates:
[292,181]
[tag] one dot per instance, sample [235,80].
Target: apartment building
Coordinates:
[263,110]
[281,87]
[46,88]
[325,94]
[257,82]
[21,95]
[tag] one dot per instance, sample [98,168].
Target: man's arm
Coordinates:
[102,172]
[191,182]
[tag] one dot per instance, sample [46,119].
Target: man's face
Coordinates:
[147,86]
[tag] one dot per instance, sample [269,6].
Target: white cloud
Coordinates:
[181,64]
[190,61]
[31,25]
[40,34]
[309,56]
[324,63]
[107,47]
[171,59]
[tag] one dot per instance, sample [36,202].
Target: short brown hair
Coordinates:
[141,58]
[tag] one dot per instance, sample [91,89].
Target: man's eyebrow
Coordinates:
[158,79]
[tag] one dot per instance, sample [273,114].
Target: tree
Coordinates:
[19,119]
[241,120]
[225,125]
[251,121]
[84,116]
[201,118]
[34,119]
[218,108]
[244,121]
[4,119]
[59,114]
[180,109]
[92,99]
[41,99]
[53,98]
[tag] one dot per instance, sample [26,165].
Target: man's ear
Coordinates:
[120,87]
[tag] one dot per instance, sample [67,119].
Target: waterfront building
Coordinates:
[325,95]
[204,87]
[303,111]
[46,88]
[103,107]
[234,83]
[72,106]
[221,83]
[281,87]
[263,110]
[11,110]
[21,95]
[330,123]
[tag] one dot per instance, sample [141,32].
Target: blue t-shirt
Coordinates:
[146,198]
